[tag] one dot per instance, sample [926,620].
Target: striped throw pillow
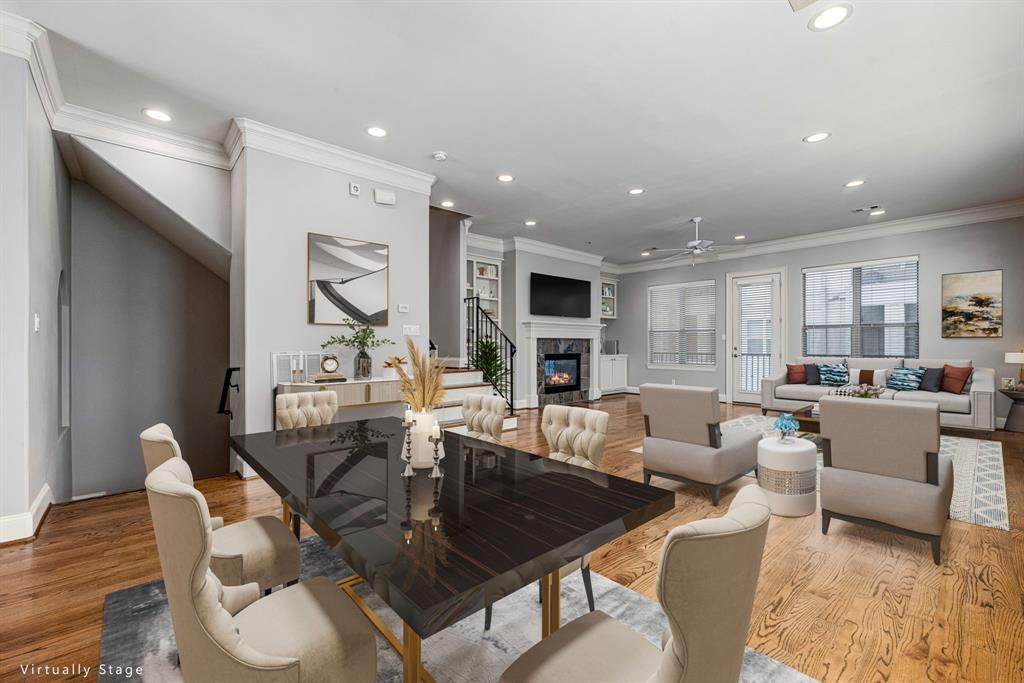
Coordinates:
[905,379]
[834,374]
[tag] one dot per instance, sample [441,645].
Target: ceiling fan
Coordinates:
[694,248]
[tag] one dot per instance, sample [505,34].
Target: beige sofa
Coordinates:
[974,408]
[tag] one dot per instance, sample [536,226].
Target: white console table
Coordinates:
[376,393]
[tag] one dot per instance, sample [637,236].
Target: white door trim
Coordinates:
[730,307]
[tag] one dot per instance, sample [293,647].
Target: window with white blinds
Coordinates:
[862,309]
[681,324]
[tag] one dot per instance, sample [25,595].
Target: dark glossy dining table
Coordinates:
[437,550]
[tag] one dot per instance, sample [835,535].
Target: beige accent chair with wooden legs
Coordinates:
[685,441]
[707,578]
[484,416]
[260,550]
[575,435]
[305,409]
[306,633]
[882,467]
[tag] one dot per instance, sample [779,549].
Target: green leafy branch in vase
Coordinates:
[363,337]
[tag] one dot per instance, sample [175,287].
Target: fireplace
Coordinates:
[561,372]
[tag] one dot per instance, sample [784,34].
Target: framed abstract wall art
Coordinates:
[972,304]
[347,279]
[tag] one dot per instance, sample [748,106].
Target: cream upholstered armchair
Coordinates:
[707,578]
[484,416]
[685,441]
[305,409]
[882,467]
[575,435]
[260,550]
[306,633]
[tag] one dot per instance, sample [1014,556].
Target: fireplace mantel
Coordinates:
[555,329]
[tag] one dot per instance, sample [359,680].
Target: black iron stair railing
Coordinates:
[490,350]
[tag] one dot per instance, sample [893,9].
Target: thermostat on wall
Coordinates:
[384,196]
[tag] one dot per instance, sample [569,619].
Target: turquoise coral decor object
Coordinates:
[786,424]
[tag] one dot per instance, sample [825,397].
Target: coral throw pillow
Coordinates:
[796,374]
[955,379]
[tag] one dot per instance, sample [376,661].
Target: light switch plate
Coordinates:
[386,197]
[354,189]
[403,308]
[411,330]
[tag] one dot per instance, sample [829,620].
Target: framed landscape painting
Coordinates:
[346,280]
[972,304]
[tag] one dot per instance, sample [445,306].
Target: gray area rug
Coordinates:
[137,629]
[979,482]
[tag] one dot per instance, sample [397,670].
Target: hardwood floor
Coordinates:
[856,605]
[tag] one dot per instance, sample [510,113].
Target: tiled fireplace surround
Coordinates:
[563,345]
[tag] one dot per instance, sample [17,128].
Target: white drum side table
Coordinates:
[787,472]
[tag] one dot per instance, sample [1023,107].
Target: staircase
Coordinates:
[482,334]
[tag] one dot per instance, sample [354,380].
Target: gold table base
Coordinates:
[410,647]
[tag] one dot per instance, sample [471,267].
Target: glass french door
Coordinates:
[755,335]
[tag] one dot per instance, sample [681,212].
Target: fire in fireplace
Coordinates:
[561,372]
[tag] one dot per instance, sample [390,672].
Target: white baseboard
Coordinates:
[1000,423]
[24,524]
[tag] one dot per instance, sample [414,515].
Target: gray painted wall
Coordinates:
[447,280]
[973,247]
[35,216]
[150,345]
[284,200]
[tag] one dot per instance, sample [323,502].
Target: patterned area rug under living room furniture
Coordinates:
[137,629]
[979,481]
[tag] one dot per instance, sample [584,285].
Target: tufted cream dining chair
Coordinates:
[306,633]
[484,416]
[305,409]
[707,577]
[260,550]
[575,435]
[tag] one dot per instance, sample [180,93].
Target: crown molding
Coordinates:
[902,226]
[475,241]
[553,250]
[95,125]
[28,40]
[248,133]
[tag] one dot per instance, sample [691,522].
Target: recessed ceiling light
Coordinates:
[818,137]
[376,131]
[157,115]
[636,191]
[447,203]
[530,223]
[505,178]
[645,253]
[830,18]
[854,183]
[877,212]
[740,237]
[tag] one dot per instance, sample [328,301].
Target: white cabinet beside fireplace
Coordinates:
[612,372]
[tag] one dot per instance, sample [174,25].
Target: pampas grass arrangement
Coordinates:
[424,389]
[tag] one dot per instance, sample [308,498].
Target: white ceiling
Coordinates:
[702,103]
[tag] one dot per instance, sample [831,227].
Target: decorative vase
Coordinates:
[363,365]
[422,451]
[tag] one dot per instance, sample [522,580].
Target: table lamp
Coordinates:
[1018,358]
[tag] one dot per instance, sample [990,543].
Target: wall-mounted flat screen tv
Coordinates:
[561,296]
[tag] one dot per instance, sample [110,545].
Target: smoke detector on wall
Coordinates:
[439,156]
